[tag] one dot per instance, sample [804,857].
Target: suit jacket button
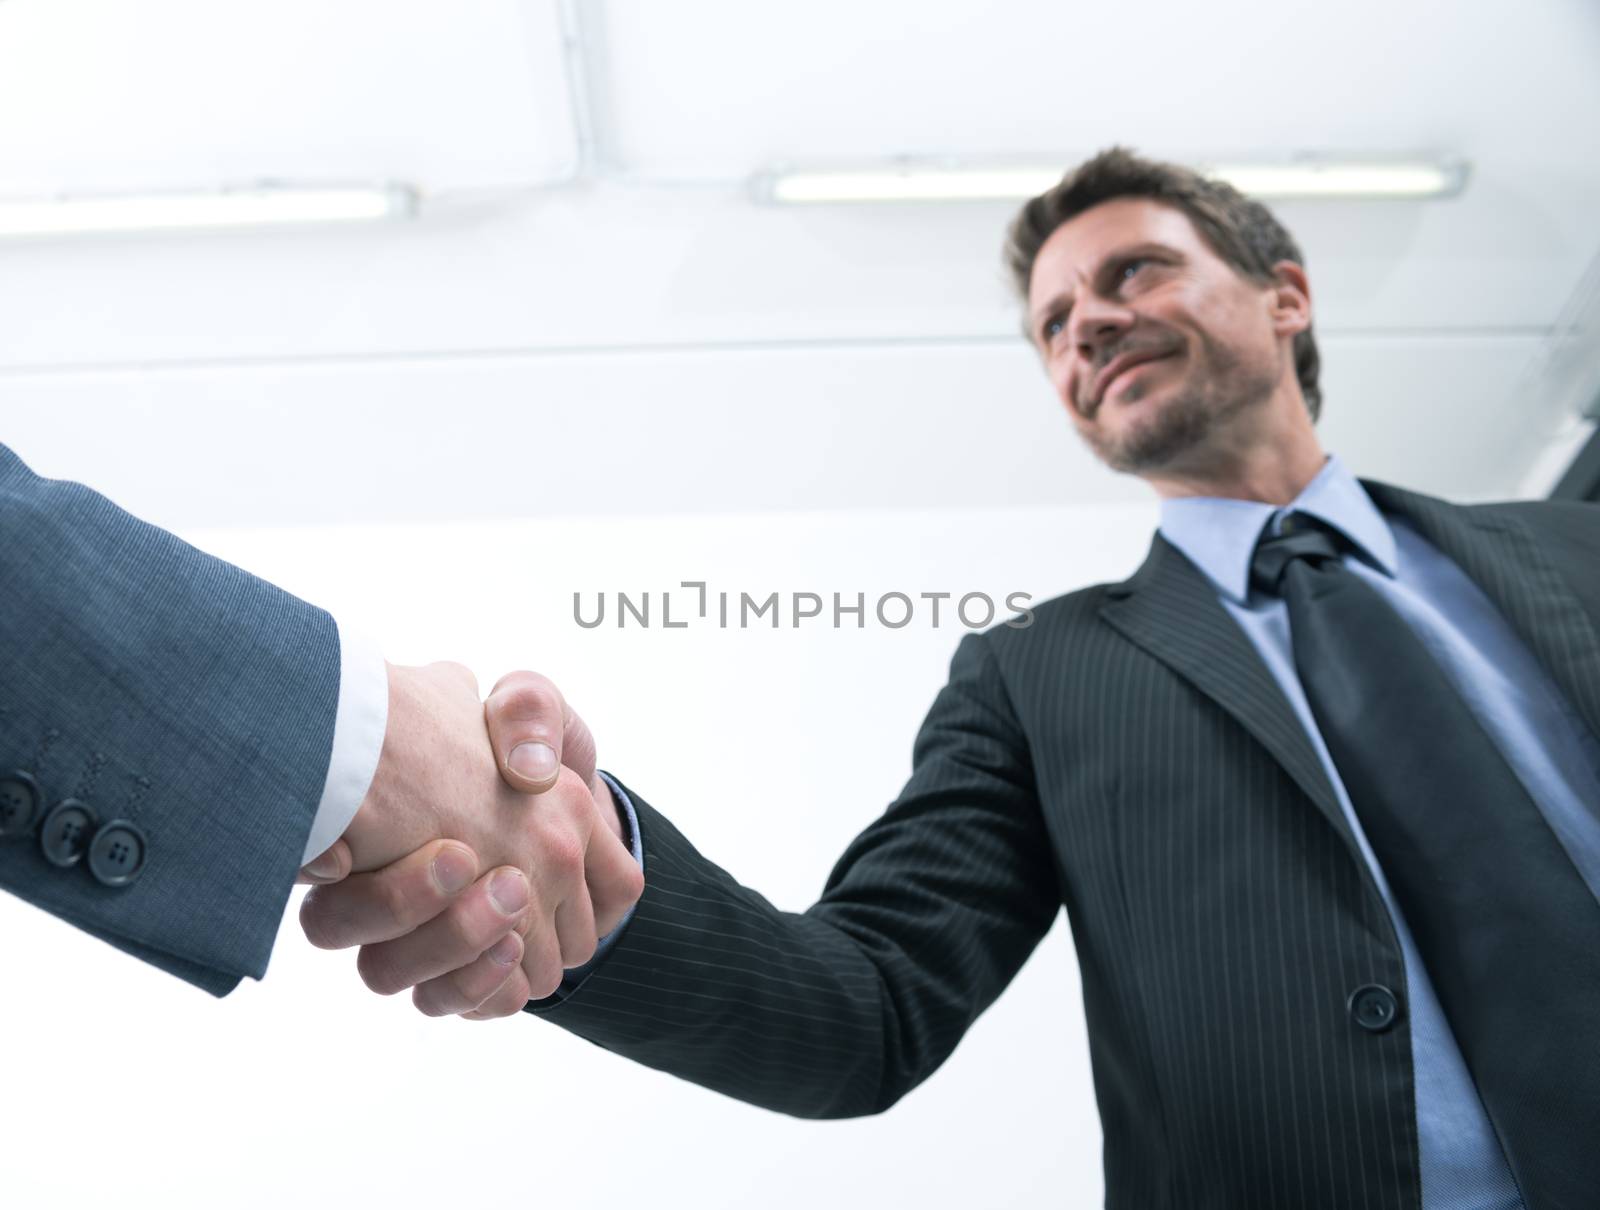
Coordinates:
[64,834]
[1374,1007]
[19,804]
[116,854]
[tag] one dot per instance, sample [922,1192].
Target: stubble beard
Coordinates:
[1190,428]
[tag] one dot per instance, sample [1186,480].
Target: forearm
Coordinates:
[166,687]
[713,984]
[840,1010]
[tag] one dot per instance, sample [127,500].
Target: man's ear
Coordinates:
[1291,298]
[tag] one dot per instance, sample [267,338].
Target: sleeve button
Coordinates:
[19,804]
[65,834]
[117,853]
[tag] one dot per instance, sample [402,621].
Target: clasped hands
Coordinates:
[487,856]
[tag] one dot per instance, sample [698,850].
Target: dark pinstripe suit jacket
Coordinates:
[1129,756]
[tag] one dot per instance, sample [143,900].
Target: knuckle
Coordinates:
[571,788]
[479,983]
[561,855]
[394,897]
[459,991]
[632,882]
[529,701]
[467,932]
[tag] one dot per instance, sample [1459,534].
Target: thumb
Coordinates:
[534,732]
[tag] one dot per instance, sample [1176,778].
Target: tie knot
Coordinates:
[1302,537]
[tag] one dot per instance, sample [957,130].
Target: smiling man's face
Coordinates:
[1159,349]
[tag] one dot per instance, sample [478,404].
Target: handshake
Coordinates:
[487,857]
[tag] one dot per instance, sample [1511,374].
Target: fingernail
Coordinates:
[504,951]
[509,892]
[326,866]
[452,871]
[535,761]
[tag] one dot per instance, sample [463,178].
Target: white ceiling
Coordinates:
[717,353]
[711,86]
[103,95]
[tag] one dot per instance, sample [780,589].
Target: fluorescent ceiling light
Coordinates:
[259,206]
[917,182]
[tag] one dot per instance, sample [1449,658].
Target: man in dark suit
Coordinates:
[1318,786]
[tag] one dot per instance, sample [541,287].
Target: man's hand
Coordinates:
[480,946]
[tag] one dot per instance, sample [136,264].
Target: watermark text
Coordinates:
[693,604]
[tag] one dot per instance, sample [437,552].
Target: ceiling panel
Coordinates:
[104,95]
[718,86]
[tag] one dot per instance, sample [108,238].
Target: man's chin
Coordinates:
[1154,441]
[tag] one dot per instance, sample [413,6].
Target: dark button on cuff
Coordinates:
[19,804]
[64,835]
[1374,1008]
[116,855]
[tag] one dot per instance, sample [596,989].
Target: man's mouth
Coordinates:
[1118,366]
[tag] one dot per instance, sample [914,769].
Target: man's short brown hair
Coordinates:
[1240,230]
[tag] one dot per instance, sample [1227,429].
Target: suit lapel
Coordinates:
[1170,609]
[1503,557]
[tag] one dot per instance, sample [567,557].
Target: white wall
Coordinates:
[769,748]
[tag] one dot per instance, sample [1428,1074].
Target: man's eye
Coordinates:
[1130,268]
[1054,328]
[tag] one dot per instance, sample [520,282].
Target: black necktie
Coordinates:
[1506,926]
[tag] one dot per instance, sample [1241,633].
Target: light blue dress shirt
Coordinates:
[1526,714]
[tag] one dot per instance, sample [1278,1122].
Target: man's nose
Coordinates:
[1096,323]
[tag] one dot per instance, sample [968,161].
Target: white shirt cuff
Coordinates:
[358,727]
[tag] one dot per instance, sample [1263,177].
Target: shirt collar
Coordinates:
[1219,535]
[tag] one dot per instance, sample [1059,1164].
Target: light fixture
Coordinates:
[258,205]
[921,181]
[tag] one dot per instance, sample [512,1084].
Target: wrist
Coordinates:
[378,834]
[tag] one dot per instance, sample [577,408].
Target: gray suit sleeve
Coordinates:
[167,688]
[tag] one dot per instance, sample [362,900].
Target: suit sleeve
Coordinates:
[840,1010]
[159,686]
